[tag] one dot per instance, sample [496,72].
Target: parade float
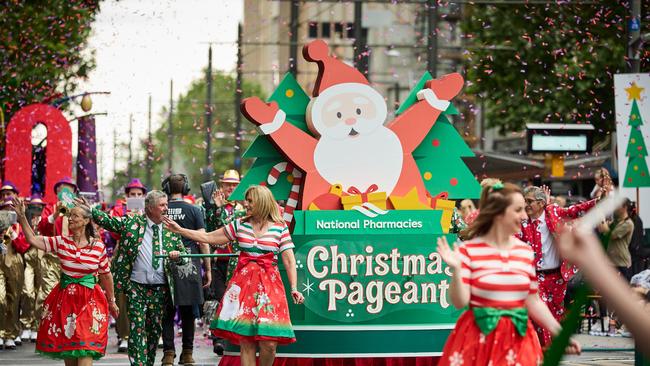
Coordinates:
[366,199]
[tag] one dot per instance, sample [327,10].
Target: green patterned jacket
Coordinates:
[131,229]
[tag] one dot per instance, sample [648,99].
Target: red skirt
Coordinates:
[74,323]
[254,307]
[466,345]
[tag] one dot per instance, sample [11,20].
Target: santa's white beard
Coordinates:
[361,161]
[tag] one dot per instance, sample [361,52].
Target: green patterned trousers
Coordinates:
[146,306]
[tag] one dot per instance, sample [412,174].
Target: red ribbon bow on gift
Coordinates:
[364,195]
[442,196]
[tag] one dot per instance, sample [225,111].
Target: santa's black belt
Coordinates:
[549,271]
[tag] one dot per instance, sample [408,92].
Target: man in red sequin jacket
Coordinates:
[539,231]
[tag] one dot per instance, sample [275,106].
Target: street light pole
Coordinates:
[208,118]
[432,37]
[170,127]
[634,38]
[238,98]
[293,43]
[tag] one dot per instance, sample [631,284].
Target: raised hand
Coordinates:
[259,112]
[547,193]
[446,87]
[171,225]
[219,198]
[18,206]
[81,202]
[451,257]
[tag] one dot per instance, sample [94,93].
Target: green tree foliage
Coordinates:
[42,50]
[189,131]
[546,63]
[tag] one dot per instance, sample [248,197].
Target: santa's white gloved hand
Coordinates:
[278,120]
[432,99]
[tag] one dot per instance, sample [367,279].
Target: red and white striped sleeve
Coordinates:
[52,243]
[231,230]
[285,239]
[104,266]
[466,264]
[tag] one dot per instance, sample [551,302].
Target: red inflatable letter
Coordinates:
[58,162]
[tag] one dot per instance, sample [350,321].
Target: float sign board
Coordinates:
[373,287]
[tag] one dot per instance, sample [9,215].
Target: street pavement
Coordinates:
[595,355]
[25,355]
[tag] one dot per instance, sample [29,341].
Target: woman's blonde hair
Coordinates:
[264,205]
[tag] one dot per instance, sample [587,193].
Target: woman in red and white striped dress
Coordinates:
[494,274]
[74,324]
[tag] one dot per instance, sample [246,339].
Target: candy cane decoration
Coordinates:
[292,201]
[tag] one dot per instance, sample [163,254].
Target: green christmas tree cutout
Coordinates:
[293,101]
[636,173]
[439,156]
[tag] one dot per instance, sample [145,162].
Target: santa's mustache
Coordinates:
[360,127]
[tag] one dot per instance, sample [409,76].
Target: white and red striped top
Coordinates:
[78,262]
[276,239]
[498,278]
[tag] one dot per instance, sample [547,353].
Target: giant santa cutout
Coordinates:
[353,146]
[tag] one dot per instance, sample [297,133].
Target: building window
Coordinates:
[338,29]
[313,30]
[325,30]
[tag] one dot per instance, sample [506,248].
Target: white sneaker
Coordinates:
[25,334]
[32,337]
[10,344]
[160,342]
[18,341]
[123,346]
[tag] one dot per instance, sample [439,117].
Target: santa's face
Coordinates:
[347,111]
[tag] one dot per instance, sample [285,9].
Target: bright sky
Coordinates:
[140,46]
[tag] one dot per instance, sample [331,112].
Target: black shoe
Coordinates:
[218,348]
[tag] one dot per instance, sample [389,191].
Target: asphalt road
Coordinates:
[597,354]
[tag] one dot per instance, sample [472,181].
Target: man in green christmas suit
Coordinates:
[145,279]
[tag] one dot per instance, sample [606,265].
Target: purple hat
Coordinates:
[36,199]
[8,186]
[66,180]
[135,183]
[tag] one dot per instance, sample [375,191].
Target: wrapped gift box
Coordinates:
[357,198]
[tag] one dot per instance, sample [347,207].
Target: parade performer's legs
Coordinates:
[81,361]
[48,275]
[247,355]
[168,328]
[122,321]
[186,313]
[219,282]
[552,289]
[28,295]
[12,271]
[267,352]
[145,307]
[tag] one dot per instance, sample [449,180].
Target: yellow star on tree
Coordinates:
[634,92]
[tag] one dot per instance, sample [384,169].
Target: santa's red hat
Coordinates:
[331,71]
